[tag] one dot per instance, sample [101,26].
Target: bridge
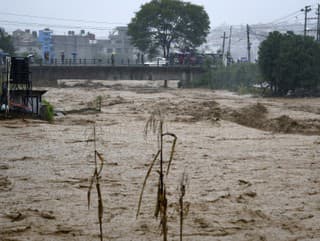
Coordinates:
[47,75]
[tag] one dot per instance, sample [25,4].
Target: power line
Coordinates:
[53,25]
[61,19]
[258,32]
[275,25]
[285,17]
[282,20]
[259,35]
[293,14]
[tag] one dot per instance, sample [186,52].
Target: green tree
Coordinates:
[269,52]
[168,23]
[290,62]
[6,42]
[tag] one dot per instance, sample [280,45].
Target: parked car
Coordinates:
[158,61]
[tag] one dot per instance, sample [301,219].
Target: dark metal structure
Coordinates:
[17,95]
[20,83]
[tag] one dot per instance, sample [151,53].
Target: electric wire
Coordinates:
[54,25]
[61,19]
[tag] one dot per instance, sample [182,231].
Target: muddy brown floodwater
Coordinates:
[252,163]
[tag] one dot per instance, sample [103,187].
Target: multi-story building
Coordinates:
[45,39]
[26,42]
[118,44]
[77,47]
[74,46]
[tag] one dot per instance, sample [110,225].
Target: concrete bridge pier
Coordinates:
[187,77]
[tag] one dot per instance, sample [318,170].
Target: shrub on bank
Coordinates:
[47,111]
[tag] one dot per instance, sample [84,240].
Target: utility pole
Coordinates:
[229,47]
[318,23]
[248,43]
[223,45]
[306,9]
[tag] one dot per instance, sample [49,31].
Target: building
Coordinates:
[77,48]
[45,39]
[119,45]
[74,46]
[26,42]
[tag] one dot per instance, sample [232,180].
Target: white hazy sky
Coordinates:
[120,12]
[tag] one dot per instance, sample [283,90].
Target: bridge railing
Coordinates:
[102,62]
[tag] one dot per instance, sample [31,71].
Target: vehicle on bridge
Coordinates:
[158,61]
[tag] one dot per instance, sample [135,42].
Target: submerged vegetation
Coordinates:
[155,125]
[96,179]
[98,103]
[182,192]
[48,114]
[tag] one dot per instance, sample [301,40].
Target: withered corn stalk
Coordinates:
[96,179]
[155,125]
[182,192]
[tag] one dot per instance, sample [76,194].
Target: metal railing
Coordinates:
[104,62]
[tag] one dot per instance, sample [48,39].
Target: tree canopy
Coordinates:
[6,42]
[169,23]
[290,62]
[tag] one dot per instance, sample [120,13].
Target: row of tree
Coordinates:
[290,62]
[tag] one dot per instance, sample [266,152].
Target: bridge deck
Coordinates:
[49,74]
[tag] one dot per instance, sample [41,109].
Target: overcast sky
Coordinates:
[120,12]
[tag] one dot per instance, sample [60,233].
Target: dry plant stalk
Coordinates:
[155,125]
[182,192]
[98,103]
[96,179]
